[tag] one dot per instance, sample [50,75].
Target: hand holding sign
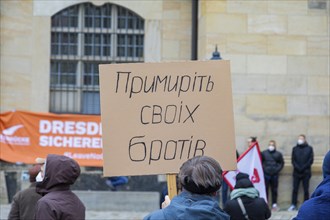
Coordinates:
[166,202]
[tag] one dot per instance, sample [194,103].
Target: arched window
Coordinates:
[82,37]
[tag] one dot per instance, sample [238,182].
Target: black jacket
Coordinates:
[272,162]
[58,202]
[302,159]
[256,208]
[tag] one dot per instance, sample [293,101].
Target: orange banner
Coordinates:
[24,136]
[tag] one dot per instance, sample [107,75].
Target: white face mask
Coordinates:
[300,141]
[271,148]
[39,177]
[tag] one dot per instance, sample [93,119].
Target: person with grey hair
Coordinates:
[201,178]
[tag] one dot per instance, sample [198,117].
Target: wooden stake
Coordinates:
[171,185]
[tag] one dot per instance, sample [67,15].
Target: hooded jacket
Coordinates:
[318,206]
[272,162]
[256,208]
[58,201]
[190,206]
[302,159]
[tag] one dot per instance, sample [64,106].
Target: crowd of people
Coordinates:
[50,197]
[272,162]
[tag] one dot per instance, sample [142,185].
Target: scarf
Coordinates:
[249,192]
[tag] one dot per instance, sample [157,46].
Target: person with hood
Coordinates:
[318,206]
[58,201]
[24,202]
[302,159]
[244,201]
[200,178]
[272,164]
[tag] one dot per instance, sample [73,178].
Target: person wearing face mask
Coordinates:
[53,183]
[302,159]
[272,163]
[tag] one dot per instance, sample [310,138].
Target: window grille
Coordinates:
[82,37]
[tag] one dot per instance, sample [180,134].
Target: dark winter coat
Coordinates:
[318,206]
[59,202]
[272,162]
[302,159]
[190,206]
[256,208]
[24,204]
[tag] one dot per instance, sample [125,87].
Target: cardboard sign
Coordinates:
[155,116]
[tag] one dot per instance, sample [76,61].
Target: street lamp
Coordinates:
[216,55]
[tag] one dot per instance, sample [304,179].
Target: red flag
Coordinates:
[249,162]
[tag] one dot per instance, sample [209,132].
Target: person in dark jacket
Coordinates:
[58,201]
[272,164]
[302,159]
[255,208]
[318,206]
[200,178]
[24,202]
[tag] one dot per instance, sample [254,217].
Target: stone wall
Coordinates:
[176,30]
[279,53]
[16,55]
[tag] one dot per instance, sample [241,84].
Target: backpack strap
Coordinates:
[241,205]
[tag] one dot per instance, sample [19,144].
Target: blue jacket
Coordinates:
[190,206]
[318,206]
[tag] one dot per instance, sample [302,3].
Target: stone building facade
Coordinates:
[279,53]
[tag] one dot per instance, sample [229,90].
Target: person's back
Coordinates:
[200,178]
[65,204]
[58,201]
[256,208]
[24,202]
[318,206]
[190,206]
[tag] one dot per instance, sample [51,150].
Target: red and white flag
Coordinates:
[250,163]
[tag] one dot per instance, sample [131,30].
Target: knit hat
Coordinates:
[326,165]
[33,172]
[243,181]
